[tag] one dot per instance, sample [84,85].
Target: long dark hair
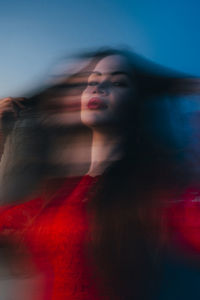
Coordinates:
[126,223]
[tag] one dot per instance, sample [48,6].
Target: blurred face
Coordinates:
[63,105]
[108,92]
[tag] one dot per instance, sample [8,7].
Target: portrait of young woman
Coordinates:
[90,168]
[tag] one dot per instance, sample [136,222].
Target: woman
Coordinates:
[97,236]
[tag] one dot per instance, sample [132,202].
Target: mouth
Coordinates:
[96,104]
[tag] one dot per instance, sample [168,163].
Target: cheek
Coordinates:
[84,97]
[84,111]
[121,100]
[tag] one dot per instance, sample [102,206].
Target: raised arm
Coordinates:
[9,112]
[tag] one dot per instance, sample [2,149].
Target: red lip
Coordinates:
[96,103]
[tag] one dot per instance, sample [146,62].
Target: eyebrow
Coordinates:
[112,73]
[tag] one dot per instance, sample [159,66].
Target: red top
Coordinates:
[183,222]
[54,231]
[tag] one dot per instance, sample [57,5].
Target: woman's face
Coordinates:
[63,105]
[109,89]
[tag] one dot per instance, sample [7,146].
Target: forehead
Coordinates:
[112,63]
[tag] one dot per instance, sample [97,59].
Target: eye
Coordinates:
[119,83]
[92,83]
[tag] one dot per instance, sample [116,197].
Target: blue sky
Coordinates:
[35,34]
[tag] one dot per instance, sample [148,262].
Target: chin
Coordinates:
[93,120]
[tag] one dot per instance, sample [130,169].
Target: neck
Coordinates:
[106,148]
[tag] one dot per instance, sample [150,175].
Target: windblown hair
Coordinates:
[124,222]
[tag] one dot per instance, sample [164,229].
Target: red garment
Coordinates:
[183,222]
[55,232]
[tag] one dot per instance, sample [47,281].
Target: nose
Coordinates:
[101,88]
